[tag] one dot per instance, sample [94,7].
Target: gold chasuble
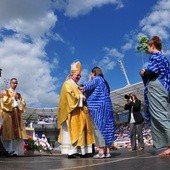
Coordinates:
[77,118]
[13,127]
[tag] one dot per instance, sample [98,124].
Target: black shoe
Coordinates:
[4,154]
[83,156]
[15,155]
[73,156]
[88,155]
[11,153]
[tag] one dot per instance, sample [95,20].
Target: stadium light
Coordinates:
[0,72]
[124,71]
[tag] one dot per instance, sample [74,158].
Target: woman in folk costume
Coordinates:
[157,91]
[100,107]
[76,135]
[13,131]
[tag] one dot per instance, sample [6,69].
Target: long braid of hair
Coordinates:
[107,85]
[98,72]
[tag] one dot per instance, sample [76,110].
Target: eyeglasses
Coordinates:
[14,83]
[77,75]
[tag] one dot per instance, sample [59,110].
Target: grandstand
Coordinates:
[32,114]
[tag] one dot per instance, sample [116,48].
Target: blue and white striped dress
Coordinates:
[159,64]
[100,108]
[158,96]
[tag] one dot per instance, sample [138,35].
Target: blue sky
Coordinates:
[40,39]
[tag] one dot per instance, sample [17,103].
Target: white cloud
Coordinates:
[74,8]
[157,22]
[55,37]
[55,61]
[84,76]
[113,53]
[23,55]
[128,45]
[33,18]
[106,63]
[109,59]
[27,62]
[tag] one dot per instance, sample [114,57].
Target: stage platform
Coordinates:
[121,159]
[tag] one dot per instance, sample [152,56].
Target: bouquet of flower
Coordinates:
[30,145]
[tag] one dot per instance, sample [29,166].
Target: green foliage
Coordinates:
[32,146]
[142,44]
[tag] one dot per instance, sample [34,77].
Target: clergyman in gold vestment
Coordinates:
[76,134]
[13,130]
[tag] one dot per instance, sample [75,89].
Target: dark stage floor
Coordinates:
[121,159]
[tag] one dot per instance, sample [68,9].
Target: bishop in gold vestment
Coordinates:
[76,133]
[13,131]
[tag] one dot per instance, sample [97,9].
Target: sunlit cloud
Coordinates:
[157,22]
[27,63]
[74,8]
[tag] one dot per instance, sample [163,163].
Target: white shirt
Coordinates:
[80,104]
[16,103]
[132,120]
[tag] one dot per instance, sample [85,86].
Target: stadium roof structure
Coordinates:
[33,113]
[118,100]
[117,97]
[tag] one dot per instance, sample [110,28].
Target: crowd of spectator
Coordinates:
[46,119]
[123,136]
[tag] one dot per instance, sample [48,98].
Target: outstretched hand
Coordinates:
[80,88]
